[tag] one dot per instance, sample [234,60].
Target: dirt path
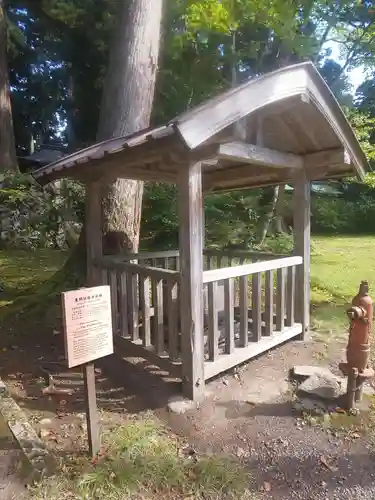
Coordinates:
[248,414]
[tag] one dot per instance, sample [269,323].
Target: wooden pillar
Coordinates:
[301,225]
[93,228]
[191,288]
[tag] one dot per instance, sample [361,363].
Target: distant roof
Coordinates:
[291,110]
[44,156]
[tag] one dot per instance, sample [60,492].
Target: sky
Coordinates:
[356,76]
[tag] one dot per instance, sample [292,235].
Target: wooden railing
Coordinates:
[169,259]
[213,259]
[145,310]
[263,313]
[216,259]
[248,308]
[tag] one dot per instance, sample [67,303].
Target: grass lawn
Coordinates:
[338,264]
[143,462]
[23,270]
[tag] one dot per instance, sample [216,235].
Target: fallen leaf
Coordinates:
[339,410]
[267,486]
[324,461]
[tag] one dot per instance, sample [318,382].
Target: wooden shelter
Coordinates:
[189,311]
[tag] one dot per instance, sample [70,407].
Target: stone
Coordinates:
[45,422]
[180,405]
[305,371]
[322,385]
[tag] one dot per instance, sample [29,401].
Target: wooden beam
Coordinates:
[327,158]
[191,283]
[243,176]
[93,228]
[256,155]
[301,226]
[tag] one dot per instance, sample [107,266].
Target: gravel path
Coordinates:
[289,459]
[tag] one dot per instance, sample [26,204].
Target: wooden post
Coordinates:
[93,432]
[191,269]
[301,224]
[93,228]
[94,249]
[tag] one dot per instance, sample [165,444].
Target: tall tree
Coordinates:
[8,159]
[126,108]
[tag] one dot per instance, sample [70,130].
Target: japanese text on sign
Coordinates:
[88,324]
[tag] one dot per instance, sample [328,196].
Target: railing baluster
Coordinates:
[133,306]
[172,320]
[244,310]
[155,262]
[256,305]
[280,300]
[123,304]
[105,279]
[140,290]
[219,260]
[145,309]
[213,332]
[157,297]
[229,316]
[269,303]
[114,300]
[291,281]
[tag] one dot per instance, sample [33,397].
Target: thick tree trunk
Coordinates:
[126,108]
[8,158]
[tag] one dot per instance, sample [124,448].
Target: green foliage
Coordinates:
[343,216]
[159,227]
[32,217]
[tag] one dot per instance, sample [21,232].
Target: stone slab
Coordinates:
[302,372]
[323,386]
[178,404]
[32,447]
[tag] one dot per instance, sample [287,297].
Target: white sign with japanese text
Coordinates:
[88,324]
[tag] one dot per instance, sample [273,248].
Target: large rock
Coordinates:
[302,372]
[178,404]
[323,385]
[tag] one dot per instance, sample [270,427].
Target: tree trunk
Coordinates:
[279,211]
[8,158]
[269,215]
[126,108]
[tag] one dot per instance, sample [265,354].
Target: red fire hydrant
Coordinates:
[356,369]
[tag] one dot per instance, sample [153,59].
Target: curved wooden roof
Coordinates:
[252,135]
